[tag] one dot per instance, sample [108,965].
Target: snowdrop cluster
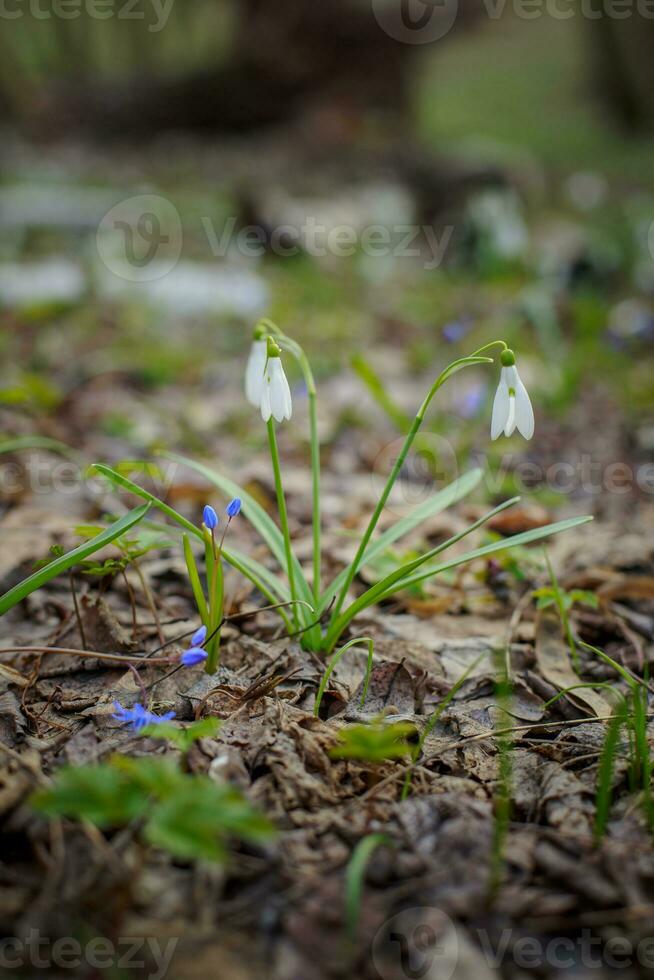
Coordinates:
[266,386]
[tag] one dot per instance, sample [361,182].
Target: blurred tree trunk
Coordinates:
[285,56]
[622,53]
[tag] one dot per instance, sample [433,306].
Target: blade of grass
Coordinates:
[440,501]
[604,792]
[265,581]
[389,584]
[354,876]
[258,517]
[194,579]
[379,392]
[333,663]
[526,537]
[62,564]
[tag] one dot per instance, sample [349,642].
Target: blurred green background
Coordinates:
[526,146]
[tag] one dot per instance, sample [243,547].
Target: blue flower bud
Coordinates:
[210,517]
[193,656]
[199,637]
[138,716]
[234,507]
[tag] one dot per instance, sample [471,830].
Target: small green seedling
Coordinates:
[554,595]
[378,741]
[190,816]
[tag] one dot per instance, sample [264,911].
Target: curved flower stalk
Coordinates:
[512,406]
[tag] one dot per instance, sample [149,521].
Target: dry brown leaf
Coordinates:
[9,676]
[553,659]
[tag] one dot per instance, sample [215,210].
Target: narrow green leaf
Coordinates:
[437,503]
[22,443]
[379,392]
[333,663]
[391,583]
[606,768]
[490,549]
[122,481]
[354,876]
[259,519]
[62,564]
[194,578]
[268,584]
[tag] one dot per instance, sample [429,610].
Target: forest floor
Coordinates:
[489,862]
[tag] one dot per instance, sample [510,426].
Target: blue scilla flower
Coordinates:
[199,637]
[210,517]
[234,507]
[193,656]
[138,716]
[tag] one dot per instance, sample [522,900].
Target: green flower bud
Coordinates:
[274,350]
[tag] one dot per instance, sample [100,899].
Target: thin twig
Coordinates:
[80,624]
[149,598]
[132,602]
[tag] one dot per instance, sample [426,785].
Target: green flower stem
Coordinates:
[283,516]
[408,442]
[215,593]
[388,585]
[297,352]
[315,489]
[194,579]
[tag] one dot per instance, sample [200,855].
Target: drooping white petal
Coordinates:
[254,372]
[500,408]
[509,427]
[280,393]
[266,408]
[524,413]
[286,392]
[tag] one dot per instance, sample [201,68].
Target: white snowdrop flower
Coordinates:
[511,408]
[276,394]
[254,372]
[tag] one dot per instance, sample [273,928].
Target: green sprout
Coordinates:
[190,816]
[378,741]
[554,595]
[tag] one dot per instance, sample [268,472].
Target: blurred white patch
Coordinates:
[190,289]
[31,283]
[586,191]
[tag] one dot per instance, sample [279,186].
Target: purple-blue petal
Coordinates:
[199,637]
[234,507]
[210,517]
[193,656]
